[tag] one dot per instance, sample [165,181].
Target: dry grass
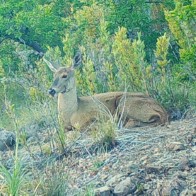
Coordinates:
[85,162]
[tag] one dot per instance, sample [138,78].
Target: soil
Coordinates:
[159,160]
[141,161]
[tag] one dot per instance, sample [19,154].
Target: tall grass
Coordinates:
[13,178]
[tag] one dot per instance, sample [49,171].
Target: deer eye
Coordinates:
[64,76]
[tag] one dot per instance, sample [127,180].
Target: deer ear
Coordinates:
[50,65]
[77,60]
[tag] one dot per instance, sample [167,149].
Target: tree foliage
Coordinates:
[140,45]
[182,23]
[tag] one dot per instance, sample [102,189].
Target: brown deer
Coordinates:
[80,112]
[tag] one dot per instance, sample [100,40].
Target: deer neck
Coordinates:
[68,102]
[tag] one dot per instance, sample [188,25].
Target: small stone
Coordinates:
[194,142]
[103,191]
[133,167]
[7,140]
[104,176]
[124,188]
[153,169]
[181,175]
[187,192]
[194,149]
[175,146]
[189,138]
[185,164]
[156,150]
[143,158]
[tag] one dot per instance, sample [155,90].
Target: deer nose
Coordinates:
[51,91]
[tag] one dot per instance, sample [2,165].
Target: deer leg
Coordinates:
[131,123]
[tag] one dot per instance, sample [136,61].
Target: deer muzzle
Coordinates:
[52,92]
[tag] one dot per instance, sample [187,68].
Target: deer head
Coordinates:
[64,79]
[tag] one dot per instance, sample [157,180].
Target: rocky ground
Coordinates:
[143,161]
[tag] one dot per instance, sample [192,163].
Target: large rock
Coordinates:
[171,187]
[186,164]
[7,140]
[114,180]
[103,191]
[124,188]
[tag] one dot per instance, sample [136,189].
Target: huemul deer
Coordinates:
[82,111]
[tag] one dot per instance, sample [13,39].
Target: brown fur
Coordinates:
[132,108]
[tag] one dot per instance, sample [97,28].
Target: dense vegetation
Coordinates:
[126,45]
[140,45]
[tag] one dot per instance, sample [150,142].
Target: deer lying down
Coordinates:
[82,111]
